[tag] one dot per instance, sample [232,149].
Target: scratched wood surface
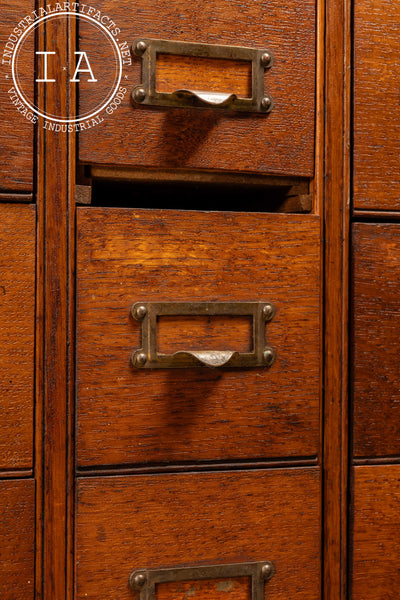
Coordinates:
[16,132]
[376,532]
[280,143]
[127,415]
[376,105]
[135,522]
[376,315]
[17,539]
[17,322]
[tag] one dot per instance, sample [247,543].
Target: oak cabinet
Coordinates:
[200,314]
[375,365]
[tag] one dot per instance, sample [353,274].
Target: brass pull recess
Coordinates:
[148,357]
[146,93]
[145,581]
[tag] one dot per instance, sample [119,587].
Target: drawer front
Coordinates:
[17,539]
[16,131]
[17,323]
[376,532]
[376,316]
[376,115]
[281,142]
[132,415]
[150,522]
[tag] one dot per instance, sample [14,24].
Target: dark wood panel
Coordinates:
[17,539]
[376,316]
[128,415]
[333,187]
[281,143]
[128,523]
[376,106]
[376,533]
[17,323]
[56,174]
[16,132]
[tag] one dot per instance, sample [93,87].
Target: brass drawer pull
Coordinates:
[147,93]
[148,356]
[145,581]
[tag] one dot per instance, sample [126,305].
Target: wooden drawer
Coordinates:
[16,132]
[376,317]
[376,115]
[376,532]
[17,325]
[179,138]
[17,539]
[151,522]
[128,415]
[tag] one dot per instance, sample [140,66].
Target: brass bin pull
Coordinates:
[147,94]
[145,581]
[148,356]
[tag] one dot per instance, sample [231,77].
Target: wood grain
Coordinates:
[17,539]
[376,105]
[376,215]
[376,314]
[128,415]
[128,523]
[294,185]
[204,333]
[16,132]
[18,197]
[17,324]
[56,173]
[232,588]
[334,194]
[281,143]
[204,74]
[376,532]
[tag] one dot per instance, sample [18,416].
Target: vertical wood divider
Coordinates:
[54,465]
[336,258]
[55,326]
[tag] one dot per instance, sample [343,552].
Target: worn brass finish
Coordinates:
[267,571]
[145,581]
[146,93]
[148,357]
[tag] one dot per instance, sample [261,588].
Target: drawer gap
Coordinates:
[290,198]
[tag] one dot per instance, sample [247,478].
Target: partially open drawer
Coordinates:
[199,101]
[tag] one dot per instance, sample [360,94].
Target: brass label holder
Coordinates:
[145,581]
[147,94]
[148,357]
